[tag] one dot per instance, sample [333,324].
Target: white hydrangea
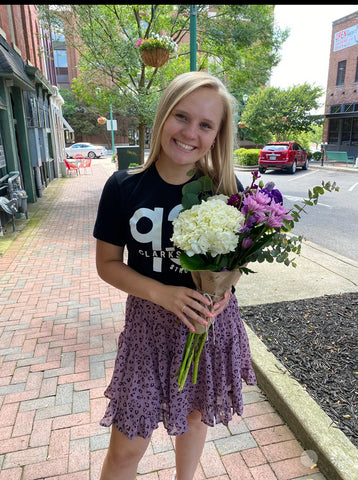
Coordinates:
[210,227]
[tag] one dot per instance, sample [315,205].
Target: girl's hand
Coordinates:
[223,303]
[187,304]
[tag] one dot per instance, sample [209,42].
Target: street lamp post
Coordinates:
[193,46]
[323,152]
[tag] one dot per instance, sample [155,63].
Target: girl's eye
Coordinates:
[206,125]
[180,116]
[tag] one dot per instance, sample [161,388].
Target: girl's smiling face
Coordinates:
[191,128]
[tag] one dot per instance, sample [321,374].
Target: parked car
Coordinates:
[86,149]
[283,155]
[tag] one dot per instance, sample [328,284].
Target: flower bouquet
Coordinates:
[155,50]
[219,236]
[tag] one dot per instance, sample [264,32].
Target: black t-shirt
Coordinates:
[136,211]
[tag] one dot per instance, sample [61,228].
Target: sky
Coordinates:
[305,54]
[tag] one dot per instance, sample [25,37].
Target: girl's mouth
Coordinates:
[189,148]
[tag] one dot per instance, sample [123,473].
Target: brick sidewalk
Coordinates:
[58,329]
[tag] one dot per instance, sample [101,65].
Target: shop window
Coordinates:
[346,130]
[341,72]
[333,130]
[355,131]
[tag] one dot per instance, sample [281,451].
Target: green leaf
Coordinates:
[189,200]
[195,263]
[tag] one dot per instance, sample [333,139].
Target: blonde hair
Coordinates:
[218,162]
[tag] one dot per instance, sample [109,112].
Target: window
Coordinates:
[335,109]
[355,131]
[60,57]
[348,107]
[333,130]
[341,72]
[346,130]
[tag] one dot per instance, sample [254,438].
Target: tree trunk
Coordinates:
[141,130]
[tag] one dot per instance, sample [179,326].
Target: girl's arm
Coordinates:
[112,269]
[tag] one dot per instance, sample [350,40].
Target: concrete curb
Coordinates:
[337,457]
[319,272]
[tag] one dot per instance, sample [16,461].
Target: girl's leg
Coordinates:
[189,447]
[123,456]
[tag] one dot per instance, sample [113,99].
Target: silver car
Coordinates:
[86,149]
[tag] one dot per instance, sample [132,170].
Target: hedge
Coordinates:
[247,157]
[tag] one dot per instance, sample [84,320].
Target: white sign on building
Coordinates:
[345,38]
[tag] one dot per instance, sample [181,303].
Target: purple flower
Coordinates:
[235,200]
[274,193]
[277,215]
[246,243]
[256,203]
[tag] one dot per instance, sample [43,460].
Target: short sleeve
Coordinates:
[109,225]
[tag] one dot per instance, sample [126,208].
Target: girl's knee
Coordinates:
[194,420]
[123,451]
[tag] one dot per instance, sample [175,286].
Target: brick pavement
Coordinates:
[58,328]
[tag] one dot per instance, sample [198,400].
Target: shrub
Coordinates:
[247,157]
[316,156]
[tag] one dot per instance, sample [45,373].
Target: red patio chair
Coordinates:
[71,167]
[86,163]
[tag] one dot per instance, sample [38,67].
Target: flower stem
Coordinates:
[201,341]
[185,363]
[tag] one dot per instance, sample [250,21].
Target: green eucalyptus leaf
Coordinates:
[189,200]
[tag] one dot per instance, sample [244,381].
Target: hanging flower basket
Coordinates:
[155,58]
[156,49]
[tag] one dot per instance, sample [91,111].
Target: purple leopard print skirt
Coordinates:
[144,391]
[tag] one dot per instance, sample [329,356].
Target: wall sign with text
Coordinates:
[345,38]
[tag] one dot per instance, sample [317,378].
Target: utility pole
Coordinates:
[193,46]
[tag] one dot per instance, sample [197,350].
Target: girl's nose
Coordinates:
[190,131]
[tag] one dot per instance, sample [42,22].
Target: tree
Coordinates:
[105,36]
[278,114]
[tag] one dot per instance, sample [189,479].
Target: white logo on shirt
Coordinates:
[154,235]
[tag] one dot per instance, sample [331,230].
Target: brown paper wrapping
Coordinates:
[214,284]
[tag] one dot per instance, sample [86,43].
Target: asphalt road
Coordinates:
[333,222]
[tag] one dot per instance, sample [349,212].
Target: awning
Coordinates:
[66,125]
[12,67]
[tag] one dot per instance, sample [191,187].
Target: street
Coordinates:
[333,222]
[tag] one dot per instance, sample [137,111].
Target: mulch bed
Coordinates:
[316,340]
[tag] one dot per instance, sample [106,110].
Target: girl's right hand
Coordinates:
[187,304]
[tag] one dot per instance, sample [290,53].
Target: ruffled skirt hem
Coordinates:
[144,392]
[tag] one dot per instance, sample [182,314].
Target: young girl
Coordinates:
[192,136]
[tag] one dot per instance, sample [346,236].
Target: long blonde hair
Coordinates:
[218,162]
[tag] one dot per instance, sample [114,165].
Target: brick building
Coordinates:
[341,107]
[31,123]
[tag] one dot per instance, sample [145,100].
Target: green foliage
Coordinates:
[196,191]
[254,43]
[316,156]
[105,37]
[247,157]
[81,117]
[280,113]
